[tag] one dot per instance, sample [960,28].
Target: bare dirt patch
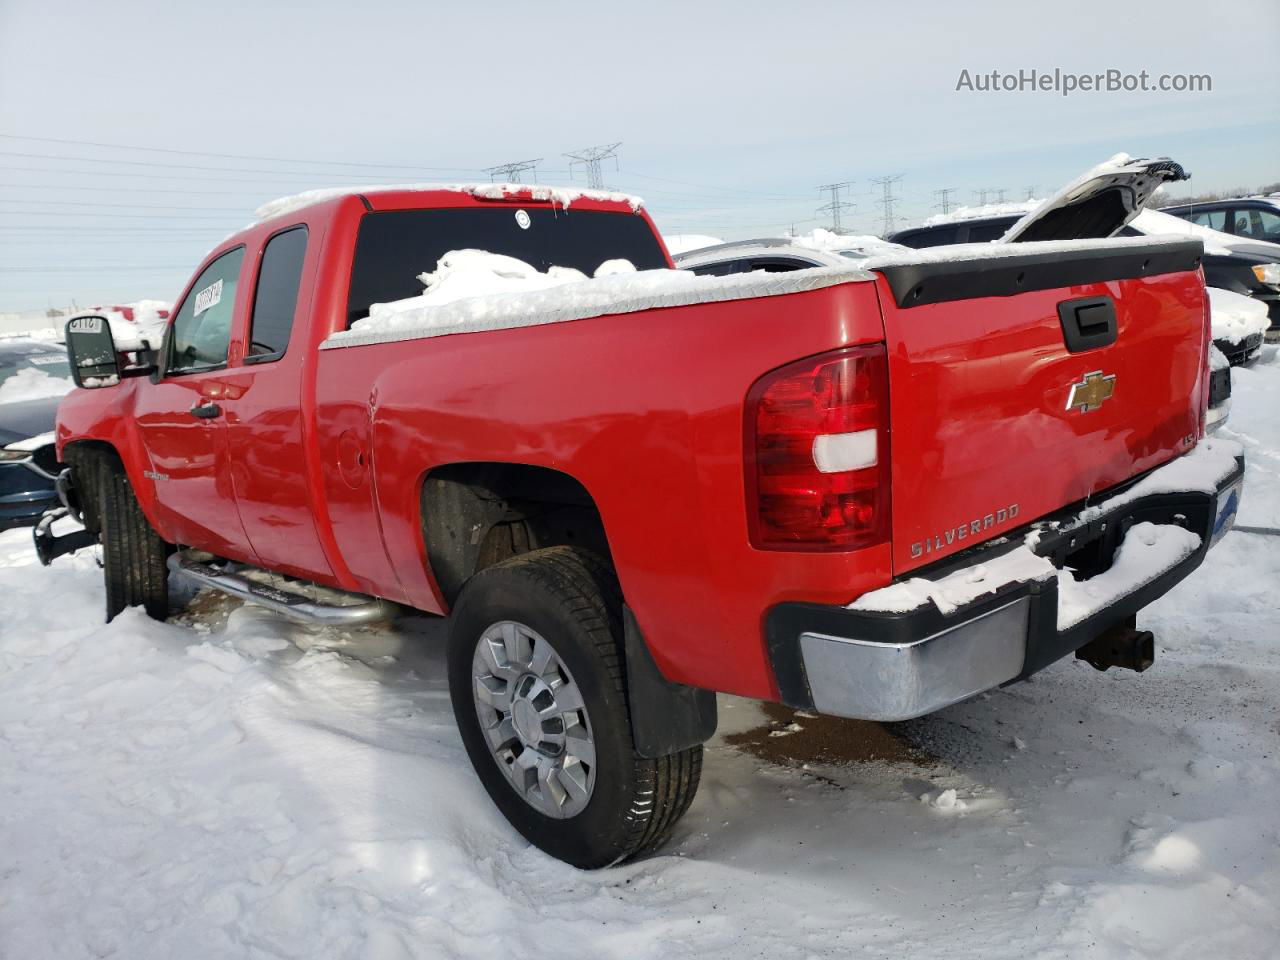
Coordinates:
[794,738]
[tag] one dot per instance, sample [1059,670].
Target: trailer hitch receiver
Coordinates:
[1121,646]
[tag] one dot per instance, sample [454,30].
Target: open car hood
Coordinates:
[1098,203]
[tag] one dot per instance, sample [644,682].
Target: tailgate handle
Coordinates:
[1088,324]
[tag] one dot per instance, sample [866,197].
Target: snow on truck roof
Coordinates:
[558,196]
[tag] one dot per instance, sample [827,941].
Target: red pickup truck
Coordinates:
[869,491]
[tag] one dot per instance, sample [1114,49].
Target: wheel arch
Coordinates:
[475,514]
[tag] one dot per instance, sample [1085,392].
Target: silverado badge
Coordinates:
[1088,395]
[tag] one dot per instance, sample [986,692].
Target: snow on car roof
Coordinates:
[559,196]
[982,211]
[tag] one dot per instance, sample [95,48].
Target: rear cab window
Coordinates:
[201,330]
[275,298]
[394,246]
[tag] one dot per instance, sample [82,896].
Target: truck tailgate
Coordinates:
[997,420]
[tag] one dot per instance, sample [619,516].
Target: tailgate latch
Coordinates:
[1088,324]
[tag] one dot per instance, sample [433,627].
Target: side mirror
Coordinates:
[92,351]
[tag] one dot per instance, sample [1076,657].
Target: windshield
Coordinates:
[49,361]
[33,371]
[394,246]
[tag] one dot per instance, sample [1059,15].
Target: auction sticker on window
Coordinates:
[208,297]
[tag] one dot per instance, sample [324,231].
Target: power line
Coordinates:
[192,166]
[228,156]
[75,186]
[887,200]
[510,172]
[591,158]
[282,176]
[126,206]
[835,206]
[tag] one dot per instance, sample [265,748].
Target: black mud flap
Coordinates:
[666,717]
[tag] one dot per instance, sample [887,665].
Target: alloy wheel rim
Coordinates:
[534,720]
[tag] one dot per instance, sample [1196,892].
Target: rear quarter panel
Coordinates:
[646,411]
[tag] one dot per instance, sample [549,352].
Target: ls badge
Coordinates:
[1091,392]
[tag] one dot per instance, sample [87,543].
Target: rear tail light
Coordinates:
[817,452]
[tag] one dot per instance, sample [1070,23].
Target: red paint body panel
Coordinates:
[319,465]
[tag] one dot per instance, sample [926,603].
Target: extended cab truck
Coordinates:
[673,486]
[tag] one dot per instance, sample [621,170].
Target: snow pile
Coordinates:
[231,785]
[678,243]
[132,323]
[562,197]
[862,246]
[32,383]
[983,211]
[1147,551]
[1217,359]
[959,588]
[1152,551]
[1153,223]
[474,291]
[1234,317]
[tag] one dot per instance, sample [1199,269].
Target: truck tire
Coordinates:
[538,683]
[133,556]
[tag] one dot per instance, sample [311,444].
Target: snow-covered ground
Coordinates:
[230,785]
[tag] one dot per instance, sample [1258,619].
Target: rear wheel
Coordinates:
[538,682]
[133,555]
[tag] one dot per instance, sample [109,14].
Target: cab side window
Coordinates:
[1258,224]
[201,330]
[1213,219]
[276,296]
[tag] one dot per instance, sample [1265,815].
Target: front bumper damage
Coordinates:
[1005,609]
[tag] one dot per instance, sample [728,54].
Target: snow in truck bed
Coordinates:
[473,291]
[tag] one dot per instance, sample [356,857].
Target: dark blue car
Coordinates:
[28,466]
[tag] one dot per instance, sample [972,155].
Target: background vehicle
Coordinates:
[634,490]
[1249,218]
[1246,268]
[34,375]
[782,254]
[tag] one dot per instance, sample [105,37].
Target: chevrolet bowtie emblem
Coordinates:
[1089,394]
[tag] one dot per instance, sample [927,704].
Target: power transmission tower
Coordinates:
[590,158]
[510,172]
[999,194]
[1031,192]
[982,196]
[836,205]
[944,198]
[887,200]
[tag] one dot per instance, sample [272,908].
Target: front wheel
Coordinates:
[538,682]
[133,555]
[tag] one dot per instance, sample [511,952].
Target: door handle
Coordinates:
[206,411]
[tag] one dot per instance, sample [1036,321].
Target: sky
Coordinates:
[136,135]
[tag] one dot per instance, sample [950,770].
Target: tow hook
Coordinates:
[1121,646]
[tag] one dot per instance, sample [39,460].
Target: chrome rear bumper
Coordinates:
[897,664]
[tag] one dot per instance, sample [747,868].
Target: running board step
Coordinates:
[296,599]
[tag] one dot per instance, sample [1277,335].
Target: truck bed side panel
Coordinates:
[646,411]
